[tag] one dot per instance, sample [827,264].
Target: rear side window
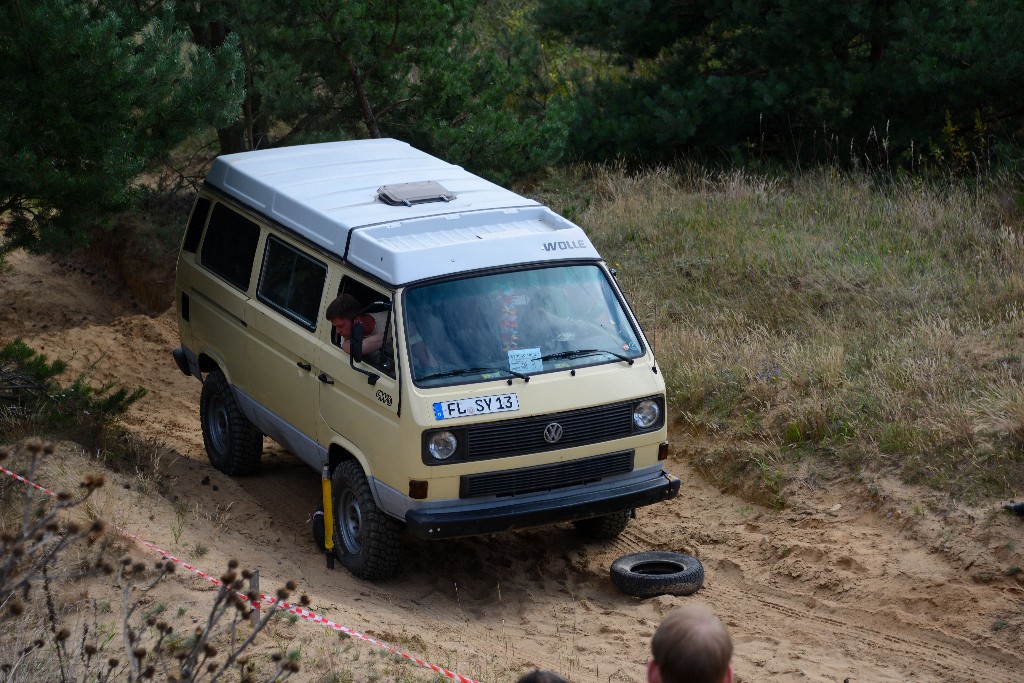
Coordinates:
[195,225]
[292,282]
[229,247]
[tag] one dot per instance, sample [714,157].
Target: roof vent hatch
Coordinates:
[407,194]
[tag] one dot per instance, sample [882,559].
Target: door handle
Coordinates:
[324,378]
[304,365]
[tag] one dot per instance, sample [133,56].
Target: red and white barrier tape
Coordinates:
[297,610]
[23,480]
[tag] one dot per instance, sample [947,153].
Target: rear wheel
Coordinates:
[604,527]
[233,444]
[366,538]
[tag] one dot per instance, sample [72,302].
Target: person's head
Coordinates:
[341,311]
[690,646]
[539,676]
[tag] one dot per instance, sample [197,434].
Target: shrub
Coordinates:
[33,401]
[44,549]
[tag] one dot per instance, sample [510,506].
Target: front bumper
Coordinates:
[439,523]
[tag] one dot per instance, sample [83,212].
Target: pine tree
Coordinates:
[94,94]
[417,70]
[863,80]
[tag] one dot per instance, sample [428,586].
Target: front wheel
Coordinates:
[604,527]
[233,444]
[366,538]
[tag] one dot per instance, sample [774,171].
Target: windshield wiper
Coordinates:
[472,371]
[579,353]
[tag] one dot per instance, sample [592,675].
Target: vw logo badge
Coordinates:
[553,432]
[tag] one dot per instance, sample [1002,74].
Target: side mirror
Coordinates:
[355,342]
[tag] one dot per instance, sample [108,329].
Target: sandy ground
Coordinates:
[856,580]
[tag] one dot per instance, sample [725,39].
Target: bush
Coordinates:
[33,401]
[45,550]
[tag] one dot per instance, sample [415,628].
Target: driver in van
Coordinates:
[539,324]
[344,311]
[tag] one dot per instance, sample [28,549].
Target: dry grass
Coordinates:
[68,612]
[874,324]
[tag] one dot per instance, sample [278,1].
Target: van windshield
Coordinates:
[516,324]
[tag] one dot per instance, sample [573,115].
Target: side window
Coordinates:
[195,225]
[291,282]
[383,358]
[229,247]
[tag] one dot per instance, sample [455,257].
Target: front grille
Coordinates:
[545,477]
[526,435]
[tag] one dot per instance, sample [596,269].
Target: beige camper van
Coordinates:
[508,384]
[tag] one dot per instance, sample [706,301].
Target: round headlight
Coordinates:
[442,445]
[646,414]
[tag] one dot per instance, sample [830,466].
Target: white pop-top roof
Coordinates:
[328,194]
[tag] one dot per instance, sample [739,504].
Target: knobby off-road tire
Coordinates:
[365,537]
[233,444]
[654,572]
[604,527]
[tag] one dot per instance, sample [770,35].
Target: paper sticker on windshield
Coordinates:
[465,407]
[525,360]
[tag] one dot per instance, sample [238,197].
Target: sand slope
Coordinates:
[862,579]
